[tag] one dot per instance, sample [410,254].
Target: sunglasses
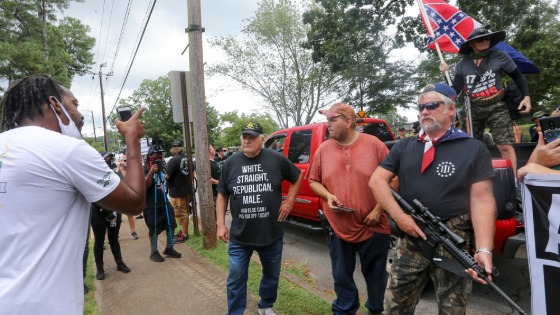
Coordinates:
[483,39]
[429,106]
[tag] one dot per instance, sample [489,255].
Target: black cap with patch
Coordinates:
[253,128]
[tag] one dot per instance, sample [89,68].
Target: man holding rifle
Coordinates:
[451,174]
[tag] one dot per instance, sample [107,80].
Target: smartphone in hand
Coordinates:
[124,113]
[550,127]
[341,208]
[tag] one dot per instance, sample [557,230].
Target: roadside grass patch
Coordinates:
[90,305]
[292,299]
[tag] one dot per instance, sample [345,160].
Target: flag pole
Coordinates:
[446,72]
[431,32]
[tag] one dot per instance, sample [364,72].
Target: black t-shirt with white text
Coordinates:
[254,188]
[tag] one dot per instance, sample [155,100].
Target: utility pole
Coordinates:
[101,74]
[196,65]
[93,122]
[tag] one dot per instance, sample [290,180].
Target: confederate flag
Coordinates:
[451,26]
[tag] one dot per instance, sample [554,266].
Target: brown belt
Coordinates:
[489,100]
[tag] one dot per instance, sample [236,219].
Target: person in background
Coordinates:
[402,133]
[47,166]
[106,222]
[222,154]
[479,76]
[257,210]
[131,222]
[364,231]
[179,188]
[158,213]
[214,172]
[451,174]
[535,128]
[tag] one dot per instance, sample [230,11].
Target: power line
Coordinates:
[132,60]
[123,28]
[108,29]
[100,32]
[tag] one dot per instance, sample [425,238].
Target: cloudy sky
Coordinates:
[159,52]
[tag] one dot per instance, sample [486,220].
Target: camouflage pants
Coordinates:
[496,117]
[410,271]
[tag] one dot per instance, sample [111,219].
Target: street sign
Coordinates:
[361,114]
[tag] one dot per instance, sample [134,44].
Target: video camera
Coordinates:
[157,147]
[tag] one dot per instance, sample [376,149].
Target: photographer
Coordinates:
[158,213]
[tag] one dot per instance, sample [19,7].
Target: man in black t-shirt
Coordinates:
[252,182]
[177,177]
[451,174]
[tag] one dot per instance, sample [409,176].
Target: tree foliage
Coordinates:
[532,28]
[155,96]
[231,135]
[32,40]
[273,65]
[351,37]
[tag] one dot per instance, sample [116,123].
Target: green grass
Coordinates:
[292,299]
[90,305]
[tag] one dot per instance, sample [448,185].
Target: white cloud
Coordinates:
[159,52]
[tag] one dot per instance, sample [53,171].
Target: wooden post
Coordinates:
[196,63]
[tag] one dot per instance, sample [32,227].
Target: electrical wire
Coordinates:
[132,60]
[123,28]
[100,32]
[108,29]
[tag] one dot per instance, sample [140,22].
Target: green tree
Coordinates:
[351,37]
[532,28]
[231,135]
[272,64]
[32,40]
[155,96]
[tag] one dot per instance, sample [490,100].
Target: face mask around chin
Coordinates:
[68,130]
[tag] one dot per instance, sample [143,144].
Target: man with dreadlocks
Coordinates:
[48,179]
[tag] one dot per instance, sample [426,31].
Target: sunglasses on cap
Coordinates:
[482,39]
[429,106]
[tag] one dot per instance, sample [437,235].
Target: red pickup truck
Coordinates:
[299,144]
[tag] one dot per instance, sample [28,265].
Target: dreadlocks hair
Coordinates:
[26,97]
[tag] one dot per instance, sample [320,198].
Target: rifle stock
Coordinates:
[437,233]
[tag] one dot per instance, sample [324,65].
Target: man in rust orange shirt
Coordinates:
[339,174]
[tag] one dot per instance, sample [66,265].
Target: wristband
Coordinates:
[484,250]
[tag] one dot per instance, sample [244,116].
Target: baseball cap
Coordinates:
[401,128]
[442,89]
[339,109]
[252,128]
[539,114]
[105,154]
[177,144]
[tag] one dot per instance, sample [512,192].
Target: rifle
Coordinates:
[437,233]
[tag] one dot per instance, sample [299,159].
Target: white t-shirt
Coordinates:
[47,181]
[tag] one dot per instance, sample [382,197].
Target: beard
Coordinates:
[435,126]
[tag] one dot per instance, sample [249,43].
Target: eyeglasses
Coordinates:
[224,150]
[429,106]
[482,39]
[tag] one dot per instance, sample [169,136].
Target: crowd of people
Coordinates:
[41,124]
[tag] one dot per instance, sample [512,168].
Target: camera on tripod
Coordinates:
[157,148]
